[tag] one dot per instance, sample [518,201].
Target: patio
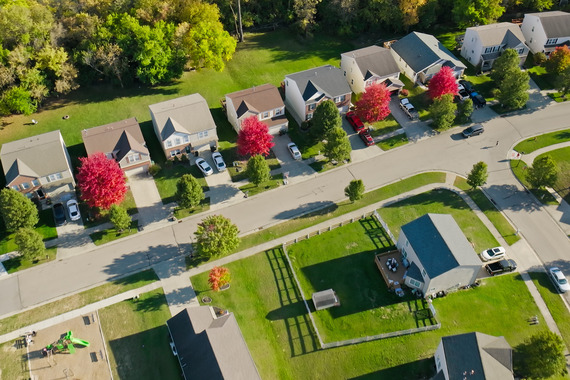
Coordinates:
[393,278]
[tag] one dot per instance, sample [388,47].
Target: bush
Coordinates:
[154,169]
[539,58]
[404,92]
[184,158]
[168,164]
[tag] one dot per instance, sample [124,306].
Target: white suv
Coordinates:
[295,153]
[559,279]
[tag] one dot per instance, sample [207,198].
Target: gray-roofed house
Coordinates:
[209,346]
[474,356]
[440,257]
[184,125]
[305,90]
[546,30]
[263,101]
[38,166]
[370,65]
[420,56]
[121,140]
[482,45]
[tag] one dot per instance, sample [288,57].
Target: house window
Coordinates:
[521,51]
[25,185]
[54,177]
[174,152]
[186,138]
[309,116]
[278,111]
[530,42]
[35,183]
[352,81]
[339,99]
[178,141]
[415,283]
[265,115]
[134,157]
[488,50]
[312,106]
[168,143]
[532,29]
[345,73]
[202,134]
[15,187]
[551,41]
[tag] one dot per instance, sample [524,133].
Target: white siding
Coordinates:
[533,33]
[294,100]
[472,49]
[440,362]
[354,76]
[232,114]
[407,70]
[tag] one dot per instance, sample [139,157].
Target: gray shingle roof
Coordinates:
[499,34]
[374,60]
[326,79]
[555,23]
[120,137]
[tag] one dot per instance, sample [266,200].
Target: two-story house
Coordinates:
[547,30]
[482,45]
[263,102]
[305,90]
[184,125]
[370,65]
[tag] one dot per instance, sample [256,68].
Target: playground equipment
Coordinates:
[64,345]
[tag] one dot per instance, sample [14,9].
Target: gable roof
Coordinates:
[374,60]
[120,137]
[256,99]
[555,23]
[478,356]
[326,79]
[439,243]
[421,50]
[209,347]
[502,33]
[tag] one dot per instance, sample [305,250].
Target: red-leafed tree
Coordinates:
[374,103]
[218,277]
[559,60]
[101,181]
[254,138]
[442,83]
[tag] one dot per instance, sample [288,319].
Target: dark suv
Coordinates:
[473,130]
[59,214]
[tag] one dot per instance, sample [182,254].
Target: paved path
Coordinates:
[416,130]
[176,284]
[147,198]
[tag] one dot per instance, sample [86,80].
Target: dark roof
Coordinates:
[374,60]
[555,23]
[414,272]
[120,137]
[326,80]
[439,243]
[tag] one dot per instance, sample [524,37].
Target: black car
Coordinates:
[473,130]
[478,100]
[59,214]
[467,85]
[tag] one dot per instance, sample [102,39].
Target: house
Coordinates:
[305,90]
[184,125]
[474,356]
[209,346]
[370,65]
[122,141]
[38,166]
[482,45]
[547,30]
[420,56]
[438,256]
[263,101]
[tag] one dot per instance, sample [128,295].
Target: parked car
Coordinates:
[463,94]
[408,108]
[502,266]
[73,209]
[559,279]
[467,85]
[478,100]
[366,137]
[59,214]
[204,167]
[355,121]
[219,161]
[294,151]
[473,130]
[493,253]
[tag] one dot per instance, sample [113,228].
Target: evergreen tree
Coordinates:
[258,170]
[189,193]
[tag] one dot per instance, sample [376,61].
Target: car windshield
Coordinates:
[562,281]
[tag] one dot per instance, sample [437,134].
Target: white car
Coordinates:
[219,161]
[295,153]
[73,209]
[204,167]
[559,279]
[493,253]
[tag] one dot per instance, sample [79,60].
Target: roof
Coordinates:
[374,60]
[324,299]
[210,347]
[326,79]
[555,23]
[439,243]
[421,50]
[35,156]
[503,33]
[257,99]
[120,137]
[478,356]
[188,114]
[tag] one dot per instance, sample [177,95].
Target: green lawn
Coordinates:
[542,141]
[440,202]
[519,168]
[45,227]
[483,84]
[76,301]
[167,177]
[562,159]
[180,213]
[393,142]
[88,221]
[237,165]
[324,165]
[542,78]
[382,127]
[418,97]
[274,182]
[137,338]
[106,236]
[20,263]
[14,363]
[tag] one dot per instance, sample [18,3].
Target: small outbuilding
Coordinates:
[325,299]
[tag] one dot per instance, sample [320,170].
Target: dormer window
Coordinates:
[312,106]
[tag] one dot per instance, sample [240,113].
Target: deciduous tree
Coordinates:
[189,193]
[442,83]
[101,181]
[374,103]
[478,175]
[338,146]
[218,277]
[355,190]
[512,91]
[543,172]
[464,110]
[17,210]
[559,60]
[254,138]
[507,62]
[305,10]
[120,218]
[30,243]
[210,45]
[18,100]
[216,236]
[410,10]
[258,170]
[468,13]
[540,356]
[442,112]
[564,81]
[325,118]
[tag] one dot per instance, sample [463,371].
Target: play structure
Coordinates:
[64,345]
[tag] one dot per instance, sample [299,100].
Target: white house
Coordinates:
[367,66]
[547,30]
[482,45]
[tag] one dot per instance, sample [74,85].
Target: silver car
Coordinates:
[219,161]
[559,279]
[204,167]
[295,153]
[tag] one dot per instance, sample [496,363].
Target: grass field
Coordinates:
[382,127]
[167,178]
[45,227]
[20,263]
[519,168]
[562,159]
[393,142]
[274,182]
[542,78]
[542,141]
[204,205]
[106,236]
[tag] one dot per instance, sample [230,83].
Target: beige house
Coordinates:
[545,31]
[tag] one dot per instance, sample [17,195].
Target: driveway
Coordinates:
[360,152]
[416,130]
[222,189]
[147,198]
[297,169]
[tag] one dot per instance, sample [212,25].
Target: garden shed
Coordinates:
[325,299]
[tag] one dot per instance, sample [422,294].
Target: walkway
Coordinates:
[176,284]
[416,130]
[147,198]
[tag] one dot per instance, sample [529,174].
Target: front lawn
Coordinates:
[106,236]
[483,84]
[542,78]
[519,168]
[324,165]
[562,159]
[88,218]
[252,189]
[180,213]
[418,97]
[237,165]
[542,141]
[393,142]
[167,178]
[21,263]
[45,227]
[383,127]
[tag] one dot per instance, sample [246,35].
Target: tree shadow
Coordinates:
[419,369]
[149,303]
[511,197]
[308,210]
[139,259]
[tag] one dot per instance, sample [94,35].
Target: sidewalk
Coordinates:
[176,284]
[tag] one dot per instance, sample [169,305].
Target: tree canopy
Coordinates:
[218,277]
[338,146]
[258,170]
[119,217]
[543,172]
[442,83]
[512,91]
[101,181]
[478,175]
[325,118]
[559,60]
[374,103]
[189,193]
[468,13]
[540,356]
[17,210]
[216,236]
[355,190]
[507,62]
[442,111]
[254,138]
[30,243]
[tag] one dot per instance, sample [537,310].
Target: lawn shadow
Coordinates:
[147,304]
[439,196]
[308,210]
[137,260]
[376,233]
[419,369]
[516,200]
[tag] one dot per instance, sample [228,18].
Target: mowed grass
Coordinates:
[21,263]
[252,189]
[519,168]
[14,363]
[137,338]
[393,142]
[562,158]
[128,204]
[167,178]
[382,127]
[45,227]
[439,202]
[106,236]
[542,141]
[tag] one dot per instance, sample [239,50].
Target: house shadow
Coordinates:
[432,196]
[419,369]
[510,197]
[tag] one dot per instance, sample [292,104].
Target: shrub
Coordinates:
[154,169]
[404,92]
[539,58]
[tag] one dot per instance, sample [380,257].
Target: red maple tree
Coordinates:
[374,103]
[218,277]
[254,138]
[442,83]
[101,181]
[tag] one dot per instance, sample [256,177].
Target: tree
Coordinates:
[442,112]
[409,9]
[512,91]
[478,175]
[355,190]
[442,83]
[258,170]
[18,100]
[218,277]
[564,81]
[325,118]
[559,60]
[540,356]
[539,58]
[507,62]
[305,10]
[119,217]
[210,45]
[468,13]
[337,146]
[538,5]
[30,243]
[216,236]
[464,110]
[374,103]
[189,193]
[101,181]
[543,172]
[254,138]
[17,210]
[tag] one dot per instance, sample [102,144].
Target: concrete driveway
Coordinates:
[222,189]
[360,152]
[147,198]
[297,169]
[416,130]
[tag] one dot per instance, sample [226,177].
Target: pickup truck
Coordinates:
[501,266]
[408,108]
